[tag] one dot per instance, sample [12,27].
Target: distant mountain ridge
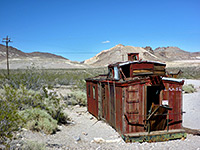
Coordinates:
[21,60]
[119,52]
[172,56]
[15,53]
[173,53]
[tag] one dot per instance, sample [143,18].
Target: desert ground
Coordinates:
[86,132]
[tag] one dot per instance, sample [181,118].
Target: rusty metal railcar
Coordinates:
[137,100]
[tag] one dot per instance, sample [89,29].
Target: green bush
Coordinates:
[53,106]
[30,145]
[39,120]
[20,100]
[25,99]
[189,88]
[78,97]
[10,121]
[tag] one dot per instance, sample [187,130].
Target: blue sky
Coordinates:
[79,29]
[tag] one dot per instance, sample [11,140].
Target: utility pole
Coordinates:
[7,40]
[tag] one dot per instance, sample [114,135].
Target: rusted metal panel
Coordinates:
[119,113]
[92,98]
[112,105]
[143,66]
[107,103]
[134,108]
[173,95]
[99,100]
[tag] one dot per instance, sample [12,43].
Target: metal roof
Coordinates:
[134,62]
[172,79]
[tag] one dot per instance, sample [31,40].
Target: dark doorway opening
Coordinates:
[153,96]
[126,71]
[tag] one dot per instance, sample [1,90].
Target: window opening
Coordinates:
[93,92]
[110,74]
[126,70]
[89,90]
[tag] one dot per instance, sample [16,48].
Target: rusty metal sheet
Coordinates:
[92,98]
[119,113]
[173,95]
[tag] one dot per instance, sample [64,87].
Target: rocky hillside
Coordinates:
[21,60]
[173,53]
[172,56]
[119,53]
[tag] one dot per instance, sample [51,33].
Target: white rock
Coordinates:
[99,140]
[113,141]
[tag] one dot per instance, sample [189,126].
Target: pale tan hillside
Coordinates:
[119,53]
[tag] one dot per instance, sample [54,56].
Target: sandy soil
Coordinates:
[85,132]
[191,105]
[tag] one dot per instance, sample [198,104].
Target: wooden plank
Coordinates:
[154,136]
[159,72]
[159,67]
[142,71]
[155,132]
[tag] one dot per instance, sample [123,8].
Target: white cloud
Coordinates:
[104,42]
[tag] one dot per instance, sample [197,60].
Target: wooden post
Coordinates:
[7,40]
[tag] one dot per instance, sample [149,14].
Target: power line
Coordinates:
[7,40]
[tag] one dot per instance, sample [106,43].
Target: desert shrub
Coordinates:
[78,97]
[23,99]
[30,145]
[52,104]
[189,88]
[34,78]
[38,120]
[10,121]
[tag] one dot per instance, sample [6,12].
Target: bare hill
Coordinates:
[119,53]
[173,53]
[176,57]
[21,60]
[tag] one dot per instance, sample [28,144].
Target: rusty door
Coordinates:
[133,109]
